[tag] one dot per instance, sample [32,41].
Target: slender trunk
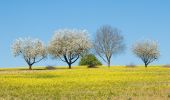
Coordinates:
[109,63]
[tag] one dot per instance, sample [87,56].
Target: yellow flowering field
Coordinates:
[80,83]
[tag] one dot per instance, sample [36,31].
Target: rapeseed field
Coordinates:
[81,83]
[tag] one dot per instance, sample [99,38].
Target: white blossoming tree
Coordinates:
[32,50]
[147,51]
[68,45]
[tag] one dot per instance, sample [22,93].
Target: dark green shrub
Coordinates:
[90,60]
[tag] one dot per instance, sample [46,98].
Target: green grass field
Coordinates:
[80,83]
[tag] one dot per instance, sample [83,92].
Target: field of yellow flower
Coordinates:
[115,83]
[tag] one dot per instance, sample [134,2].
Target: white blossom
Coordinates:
[147,51]
[68,44]
[32,50]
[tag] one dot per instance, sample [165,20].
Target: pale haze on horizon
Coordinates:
[137,20]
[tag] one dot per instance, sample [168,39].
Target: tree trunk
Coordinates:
[109,64]
[146,65]
[30,67]
[69,64]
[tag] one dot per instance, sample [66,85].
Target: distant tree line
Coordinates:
[69,45]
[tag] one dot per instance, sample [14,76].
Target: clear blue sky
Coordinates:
[138,20]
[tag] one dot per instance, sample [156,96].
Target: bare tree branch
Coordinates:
[108,42]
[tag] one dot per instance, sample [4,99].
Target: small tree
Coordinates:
[108,42]
[32,50]
[147,51]
[68,45]
[90,60]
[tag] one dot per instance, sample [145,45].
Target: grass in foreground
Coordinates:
[115,83]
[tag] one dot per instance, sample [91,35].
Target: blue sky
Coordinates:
[137,19]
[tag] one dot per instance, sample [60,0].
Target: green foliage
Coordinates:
[90,60]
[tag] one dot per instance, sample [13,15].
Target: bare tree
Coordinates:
[68,45]
[32,50]
[147,51]
[108,42]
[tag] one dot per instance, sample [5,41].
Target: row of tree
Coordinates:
[69,45]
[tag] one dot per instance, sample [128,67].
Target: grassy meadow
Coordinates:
[81,83]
